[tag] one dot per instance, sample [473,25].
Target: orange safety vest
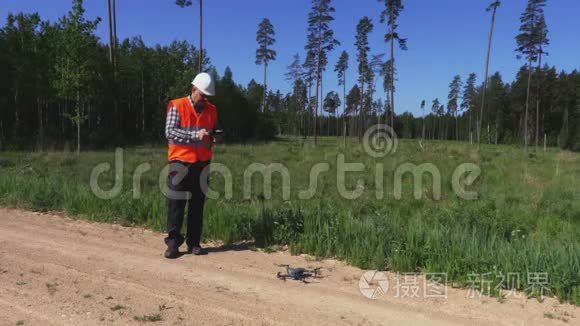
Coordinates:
[190,120]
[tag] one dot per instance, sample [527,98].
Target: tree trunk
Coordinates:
[527,106]
[115,45]
[200,67]
[537,123]
[301,122]
[308,110]
[545,142]
[456,128]
[78,121]
[321,104]
[40,124]
[538,101]
[110,15]
[1,135]
[265,87]
[318,81]
[496,131]
[328,120]
[392,71]
[343,104]
[470,129]
[566,125]
[362,105]
[142,104]
[336,122]
[16,113]
[434,128]
[486,75]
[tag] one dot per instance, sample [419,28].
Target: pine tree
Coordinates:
[497,95]
[424,117]
[300,98]
[363,28]
[309,69]
[452,104]
[294,74]
[542,30]
[435,107]
[320,42]
[353,102]
[331,104]
[530,41]
[264,53]
[390,14]
[493,8]
[442,130]
[111,41]
[340,68]
[388,74]
[115,39]
[375,68]
[469,94]
[294,71]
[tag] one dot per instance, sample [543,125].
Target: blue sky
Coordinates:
[445,37]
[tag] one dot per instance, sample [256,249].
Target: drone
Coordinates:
[298,273]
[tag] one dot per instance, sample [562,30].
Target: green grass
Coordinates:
[526,218]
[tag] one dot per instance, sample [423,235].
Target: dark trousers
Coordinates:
[185,188]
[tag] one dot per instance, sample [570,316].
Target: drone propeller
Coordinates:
[316,271]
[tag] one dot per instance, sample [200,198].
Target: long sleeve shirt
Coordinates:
[173,128]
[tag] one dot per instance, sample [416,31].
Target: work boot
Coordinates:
[171,253]
[196,250]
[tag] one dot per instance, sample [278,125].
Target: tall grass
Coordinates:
[525,220]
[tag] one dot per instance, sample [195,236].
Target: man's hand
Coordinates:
[202,134]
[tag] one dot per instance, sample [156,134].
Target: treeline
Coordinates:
[554,115]
[555,112]
[61,87]
[58,86]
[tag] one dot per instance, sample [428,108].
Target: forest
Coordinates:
[62,86]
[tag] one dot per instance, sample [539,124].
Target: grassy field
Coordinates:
[526,218]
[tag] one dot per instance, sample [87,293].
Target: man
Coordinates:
[191,129]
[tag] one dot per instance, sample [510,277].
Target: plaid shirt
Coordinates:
[173,128]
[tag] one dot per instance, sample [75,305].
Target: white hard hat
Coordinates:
[204,83]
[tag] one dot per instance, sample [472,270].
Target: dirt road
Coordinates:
[59,271]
